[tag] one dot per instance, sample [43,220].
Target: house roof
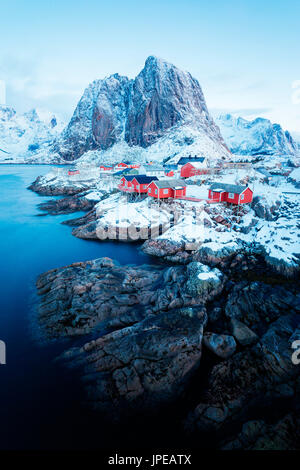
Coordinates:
[184,160]
[172,183]
[129,177]
[196,164]
[264,172]
[170,167]
[154,167]
[229,188]
[142,179]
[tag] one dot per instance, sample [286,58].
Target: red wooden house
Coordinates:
[235,194]
[106,168]
[193,168]
[163,189]
[126,184]
[141,183]
[127,165]
[73,172]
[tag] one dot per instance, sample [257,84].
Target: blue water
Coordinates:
[40,401]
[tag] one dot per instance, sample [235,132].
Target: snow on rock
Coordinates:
[202,280]
[160,114]
[26,138]
[257,137]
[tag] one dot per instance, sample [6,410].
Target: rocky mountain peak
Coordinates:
[138,112]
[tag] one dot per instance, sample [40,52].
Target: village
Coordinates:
[170,181]
[194,203]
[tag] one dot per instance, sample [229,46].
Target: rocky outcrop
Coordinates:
[144,365]
[67,205]
[52,188]
[81,296]
[259,377]
[263,209]
[257,304]
[221,345]
[258,435]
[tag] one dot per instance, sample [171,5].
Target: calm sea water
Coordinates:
[41,401]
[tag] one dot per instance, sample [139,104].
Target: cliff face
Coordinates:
[163,96]
[257,137]
[138,112]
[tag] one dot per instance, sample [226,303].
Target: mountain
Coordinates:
[296,137]
[23,137]
[162,104]
[257,137]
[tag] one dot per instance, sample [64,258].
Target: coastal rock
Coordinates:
[249,380]
[169,250]
[67,205]
[52,187]
[144,365]
[263,209]
[258,435]
[114,296]
[257,304]
[221,345]
[242,333]
[203,280]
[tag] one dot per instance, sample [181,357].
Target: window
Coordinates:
[145,186]
[242,197]
[166,191]
[149,190]
[137,186]
[230,196]
[156,191]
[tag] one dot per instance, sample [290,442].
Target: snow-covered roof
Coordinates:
[184,160]
[173,183]
[144,179]
[230,188]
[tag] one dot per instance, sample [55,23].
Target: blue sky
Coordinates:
[245,54]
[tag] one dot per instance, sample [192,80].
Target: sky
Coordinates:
[245,54]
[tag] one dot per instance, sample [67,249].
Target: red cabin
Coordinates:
[192,169]
[128,165]
[169,173]
[235,194]
[126,184]
[141,183]
[167,188]
[106,168]
[121,165]
[73,172]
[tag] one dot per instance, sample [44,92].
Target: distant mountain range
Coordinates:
[257,137]
[27,137]
[159,115]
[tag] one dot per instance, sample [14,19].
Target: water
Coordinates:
[41,401]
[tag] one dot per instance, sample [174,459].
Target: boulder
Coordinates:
[221,345]
[242,333]
[202,280]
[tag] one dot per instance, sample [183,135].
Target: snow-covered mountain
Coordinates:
[162,107]
[27,137]
[257,137]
